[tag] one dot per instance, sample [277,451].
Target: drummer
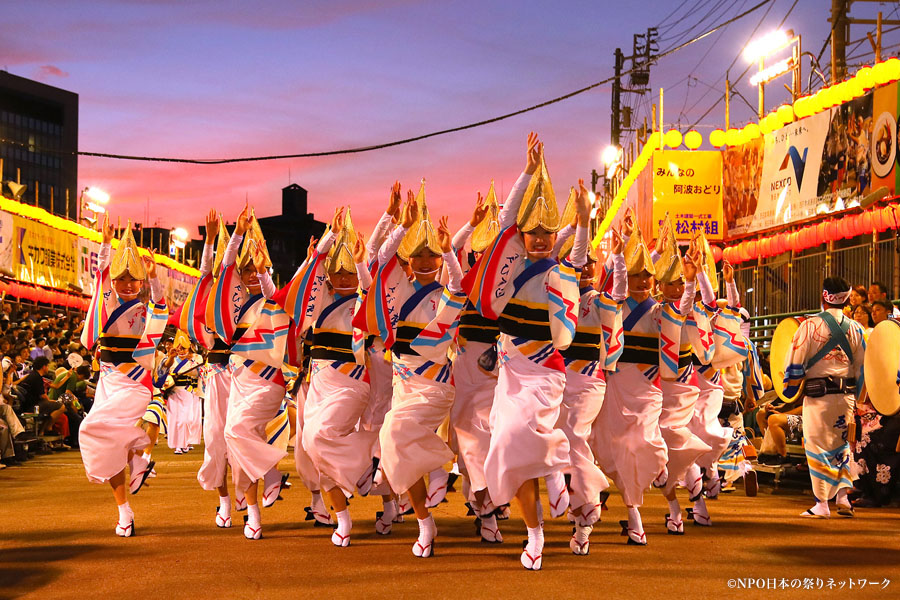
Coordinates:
[827,353]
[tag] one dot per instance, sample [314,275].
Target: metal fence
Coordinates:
[777,287]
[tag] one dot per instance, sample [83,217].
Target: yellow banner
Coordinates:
[43,255]
[688,185]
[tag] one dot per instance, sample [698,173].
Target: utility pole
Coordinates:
[616,117]
[840,30]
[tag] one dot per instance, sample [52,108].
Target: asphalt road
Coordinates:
[57,541]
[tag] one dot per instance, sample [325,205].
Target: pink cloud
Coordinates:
[48,71]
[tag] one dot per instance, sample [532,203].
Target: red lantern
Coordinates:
[717,253]
[866,220]
[752,249]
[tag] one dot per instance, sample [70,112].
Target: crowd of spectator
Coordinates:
[46,375]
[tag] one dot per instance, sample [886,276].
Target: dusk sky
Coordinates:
[216,79]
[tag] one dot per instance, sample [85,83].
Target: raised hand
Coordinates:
[480,212]
[533,154]
[212,226]
[412,211]
[728,272]
[243,220]
[628,223]
[312,247]
[337,222]
[444,237]
[691,263]
[359,249]
[258,252]
[149,265]
[395,202]
[109,232]
[617,245]
[583,205]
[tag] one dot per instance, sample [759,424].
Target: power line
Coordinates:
[408,140]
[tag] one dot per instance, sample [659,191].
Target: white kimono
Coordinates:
[108,434]
[826,419]
[183,408]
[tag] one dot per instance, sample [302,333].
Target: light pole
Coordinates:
[766,46]
[94,200]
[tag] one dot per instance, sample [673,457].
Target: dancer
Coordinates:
[176,376]
[339,384]
[475,374]
[257,330]
[535,300]
[416,320]
[599,327]
[127,331]
[679,395]
[827,352]
[631,449]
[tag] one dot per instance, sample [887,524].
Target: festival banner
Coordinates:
[883,155]
[688,186]
[88,258]
[6,242]
[43,255]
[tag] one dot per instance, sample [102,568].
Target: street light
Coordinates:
[179,237]
[92,200]
[766,46]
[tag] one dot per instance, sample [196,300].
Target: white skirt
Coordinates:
[581,404]
[215,454]
[683,447]
[381,376]
[630,447]
[303,464]
[340,452]
[410,448]
[252,403]
[471,413]
[705,423]
[525,443]
[181,409]
[108,434]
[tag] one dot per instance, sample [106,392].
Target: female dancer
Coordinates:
[128,331]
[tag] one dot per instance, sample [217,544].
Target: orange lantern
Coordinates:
[752,249]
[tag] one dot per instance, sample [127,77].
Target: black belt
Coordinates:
[816,387]
[217,357]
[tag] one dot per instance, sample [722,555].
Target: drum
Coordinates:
[780,353]
[882,367]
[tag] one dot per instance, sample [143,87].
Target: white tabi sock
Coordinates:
[535,546]
[841,498]
[225,506]
[253,519]
[146,456]
[693,481]
[675,510]
[634,520]
[126,515]
[390,511]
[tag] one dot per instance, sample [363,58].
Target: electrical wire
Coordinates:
[424,136]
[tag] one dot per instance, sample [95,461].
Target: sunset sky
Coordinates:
[214,79]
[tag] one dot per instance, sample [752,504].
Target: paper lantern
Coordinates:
[785,113]
[892,66]
[717,138]
[866,77]
[881,73]
[733,137]
[673,138]
[752,249]
[693,139]
[751,131]
[717,253]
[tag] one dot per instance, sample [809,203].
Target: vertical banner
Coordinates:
[6,242]
[688,186]
[88,253]
[883,155]
[43,255]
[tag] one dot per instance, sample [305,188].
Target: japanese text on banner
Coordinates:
[688,186]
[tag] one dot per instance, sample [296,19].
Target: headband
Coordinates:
[838,298]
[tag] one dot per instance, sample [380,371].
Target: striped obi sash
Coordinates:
[265,371]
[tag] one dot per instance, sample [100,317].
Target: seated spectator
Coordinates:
[858,295]
[876,457]
[881,310]
[39,348]
[778,422]
[35,397]
[862,314]
[877,291]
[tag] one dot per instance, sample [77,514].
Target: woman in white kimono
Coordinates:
[381,372]
[257,385]
[408,312]
[475,374]
[535,300]
[127,331]
[586,359]
[630,447]
[339,383]
[679,395]
[182,366]
[827,352]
